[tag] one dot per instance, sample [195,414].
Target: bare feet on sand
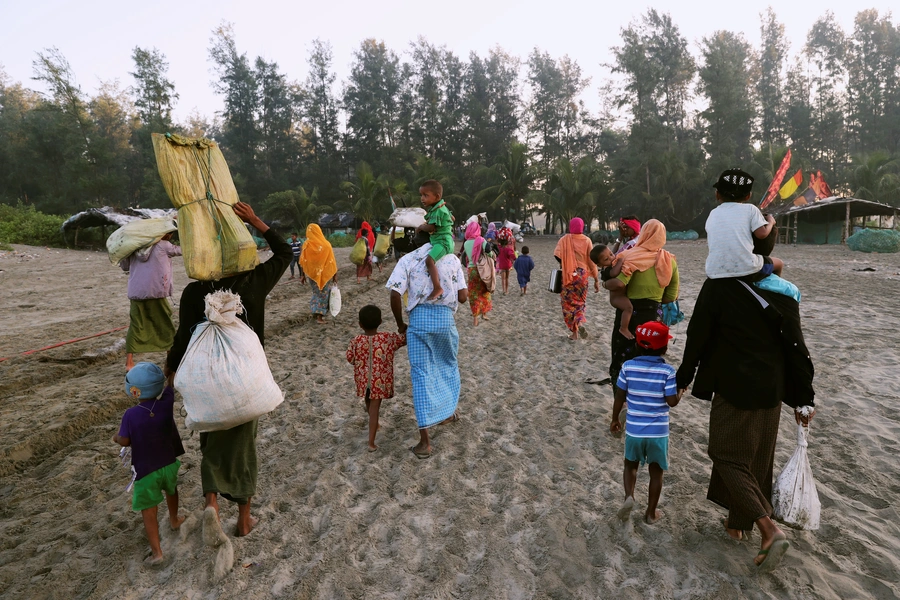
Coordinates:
[176,523]
[625,510]
[153,561]
[247,527]
[650,519]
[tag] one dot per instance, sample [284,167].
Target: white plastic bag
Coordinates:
[133,236]
[795,500]
[334,301]
[224,377]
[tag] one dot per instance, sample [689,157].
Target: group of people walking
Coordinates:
[744,344]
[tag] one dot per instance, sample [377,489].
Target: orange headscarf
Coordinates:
[648,253]
[317,257]
[574,251]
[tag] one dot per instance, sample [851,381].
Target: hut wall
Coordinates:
[818,232]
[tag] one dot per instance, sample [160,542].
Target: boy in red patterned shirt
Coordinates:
[372,357]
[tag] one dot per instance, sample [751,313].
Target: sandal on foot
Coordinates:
[773,554]
[420,455]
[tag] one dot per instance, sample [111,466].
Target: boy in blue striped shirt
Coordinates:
[648,386]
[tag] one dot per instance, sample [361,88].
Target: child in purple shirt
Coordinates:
[149,428]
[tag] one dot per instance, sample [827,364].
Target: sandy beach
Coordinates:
[519,499]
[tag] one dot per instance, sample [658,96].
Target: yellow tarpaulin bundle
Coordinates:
[215,241]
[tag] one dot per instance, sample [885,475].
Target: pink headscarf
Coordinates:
[576,225]
[473,232]
[633,223]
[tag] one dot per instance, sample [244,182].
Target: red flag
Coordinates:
[776,182]
[817,183]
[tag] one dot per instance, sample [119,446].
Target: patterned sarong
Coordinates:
[151,328]
[479,297]
[318,302]
[432,342]
[574,298]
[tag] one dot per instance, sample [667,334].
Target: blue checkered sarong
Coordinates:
[432,343]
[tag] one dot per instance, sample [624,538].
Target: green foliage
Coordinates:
[341,240]
[24,225]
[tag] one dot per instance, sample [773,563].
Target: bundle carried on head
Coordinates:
[215,241]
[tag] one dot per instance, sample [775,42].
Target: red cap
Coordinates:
[652,335]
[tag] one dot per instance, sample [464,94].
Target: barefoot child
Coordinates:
[610,267]
[372,357]
[524,265]
[648,386]
[149,428]
[505,259]
[438,223]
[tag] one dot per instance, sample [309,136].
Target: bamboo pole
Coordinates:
[846,232]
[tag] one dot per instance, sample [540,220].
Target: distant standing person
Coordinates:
[296,247]
[431,337]
[365,269]
[151,328]
[319,264]
[629,228]
[524,265]
[505,260]
[229,464]
[573,253]
[479,294]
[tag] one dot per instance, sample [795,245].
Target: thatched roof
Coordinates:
[835,209]
[113,217]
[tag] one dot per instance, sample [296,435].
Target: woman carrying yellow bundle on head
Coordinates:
[317,260]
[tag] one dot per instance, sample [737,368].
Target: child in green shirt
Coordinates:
[439,224]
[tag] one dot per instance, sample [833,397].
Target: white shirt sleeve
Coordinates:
[757,219]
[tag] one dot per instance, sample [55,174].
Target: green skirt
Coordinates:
[229,465]
[152,328]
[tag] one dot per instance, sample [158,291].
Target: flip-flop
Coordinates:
[773,554]
[420,455]
[372,449]
[725,525]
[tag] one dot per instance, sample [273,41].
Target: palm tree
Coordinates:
[368,194]
[574,190]
[513,179]
[424,168]
[294,207]
[875,177]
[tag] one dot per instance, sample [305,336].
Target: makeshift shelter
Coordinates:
[108,216]
[828,221]
[333,222]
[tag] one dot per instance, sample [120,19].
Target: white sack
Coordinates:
[334,301]
[514,227]
[127,239]
[224,377]
[794,497]
[407,217]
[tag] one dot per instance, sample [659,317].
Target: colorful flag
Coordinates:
[807,197]
[817,183]
[791,185]
[776,181]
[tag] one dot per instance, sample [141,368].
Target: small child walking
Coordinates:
[524,265]
[149,428]
[439,224]
[372,357]
[505,259]
[647,384]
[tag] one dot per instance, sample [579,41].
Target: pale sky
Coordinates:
[97,36]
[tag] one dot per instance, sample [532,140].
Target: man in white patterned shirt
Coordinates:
[432,338]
